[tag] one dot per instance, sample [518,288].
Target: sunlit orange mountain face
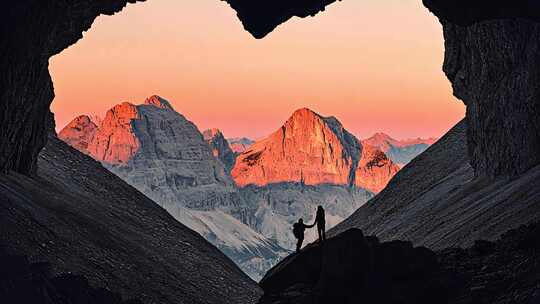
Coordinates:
[312,149]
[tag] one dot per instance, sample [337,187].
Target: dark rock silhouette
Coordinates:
[500,90]
[352,268]
[25,282]
[260,18]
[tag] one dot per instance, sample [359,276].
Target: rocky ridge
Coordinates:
[220,147]
[311,149]
[400,152]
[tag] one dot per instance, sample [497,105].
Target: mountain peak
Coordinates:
[312,149]
[159,102]
[81,120]
[211,133]
[79,132]
[304,113]
[381,135]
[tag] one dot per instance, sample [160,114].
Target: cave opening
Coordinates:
[373,73]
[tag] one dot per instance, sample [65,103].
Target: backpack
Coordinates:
[297,230]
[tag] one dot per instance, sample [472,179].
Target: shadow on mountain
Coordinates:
[352,268]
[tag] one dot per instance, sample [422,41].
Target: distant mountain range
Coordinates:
[162,154]
[400,151]
[240,144]
[241,195]
[312,150]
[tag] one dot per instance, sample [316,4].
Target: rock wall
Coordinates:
[494,67]
[32,31]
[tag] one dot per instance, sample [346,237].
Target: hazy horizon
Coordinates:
[380,71]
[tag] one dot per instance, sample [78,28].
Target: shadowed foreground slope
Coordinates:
[81,218]
[351,268]
[436,201]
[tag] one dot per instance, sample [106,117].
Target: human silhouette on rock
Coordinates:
[321,223]
[298,231]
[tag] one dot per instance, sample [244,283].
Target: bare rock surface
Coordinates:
[81,218]
[220,147]
[313,150]
[436,201]
[79,133]
[500,89]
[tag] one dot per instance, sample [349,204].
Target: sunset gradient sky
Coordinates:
[375,65]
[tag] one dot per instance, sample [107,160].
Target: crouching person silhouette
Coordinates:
[298,231]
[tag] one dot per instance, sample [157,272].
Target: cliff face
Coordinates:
[494,67]
[79,133]
[220,147]
[115,141]
[312,150]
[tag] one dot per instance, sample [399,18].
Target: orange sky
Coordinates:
[375,65]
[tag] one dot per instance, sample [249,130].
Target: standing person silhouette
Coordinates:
[298,231]
[321,223]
